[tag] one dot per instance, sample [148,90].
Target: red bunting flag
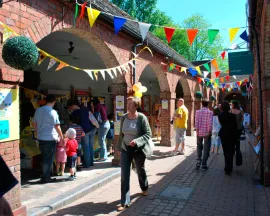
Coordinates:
[82,11]
[169,33]
[217,74]
[199,79]
[227,78]
[223,89]
[223,54]
[177,67]
[191,35]
[238,83]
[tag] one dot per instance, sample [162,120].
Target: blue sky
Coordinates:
[220,13]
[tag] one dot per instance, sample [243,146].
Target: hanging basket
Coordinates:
[213,98]
[198,95]
[20,53]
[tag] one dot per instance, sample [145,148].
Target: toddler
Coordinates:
[216,127]
[61,158]
[71,149]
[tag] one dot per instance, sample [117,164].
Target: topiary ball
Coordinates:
[20,53]
[198,95]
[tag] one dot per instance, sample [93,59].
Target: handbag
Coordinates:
[93,120]
[238,158]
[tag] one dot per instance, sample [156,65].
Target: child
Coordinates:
[79,134]
[110,135]
[71,149]
[216,127]
[61,158]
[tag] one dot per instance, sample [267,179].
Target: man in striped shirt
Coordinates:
[203,125]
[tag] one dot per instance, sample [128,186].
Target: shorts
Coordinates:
[180,135]
[79,150]
[71,161]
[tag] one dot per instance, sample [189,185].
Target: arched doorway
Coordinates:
[237,96]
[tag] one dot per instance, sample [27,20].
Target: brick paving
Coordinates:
[214,192]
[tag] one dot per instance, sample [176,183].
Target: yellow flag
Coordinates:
[92,15]
[183,69]
[6,34]
[96,74]
[198,69]
[232,33]
[60,66]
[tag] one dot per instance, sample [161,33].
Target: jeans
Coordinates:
[47,149]
[203,147]
[126,159]
[88,148]
[102,133]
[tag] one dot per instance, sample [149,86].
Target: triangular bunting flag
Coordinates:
[217,80]
[92,15]
[191,33]
[96,74]
[114,71]
[76,13]
[102,72]
[110,74]
[223,85]
[222,79]
[172,66]
[234,77]
[244,36]
[169,33]
[198,69]
[223,54]
[238,83]
[82,11]
[183,69]
[41,57]
[192,71]
[205,74]
[144,28]
[215,64]
[118,23]
[131,64]
[199,79]
[7,34]
[177,67]
[217,73]
[89,72]
[60,66]
[227,78]
[212,33]
[206,65]
[232,33]
[120,70]
[51,63]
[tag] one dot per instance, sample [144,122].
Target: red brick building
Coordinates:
[49,23]
[259,18]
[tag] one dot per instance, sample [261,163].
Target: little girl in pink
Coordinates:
[61,158]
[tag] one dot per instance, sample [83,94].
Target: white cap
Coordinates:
[71,133]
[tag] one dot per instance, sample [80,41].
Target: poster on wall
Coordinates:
[82,97]
[165,104]
[119,114]
[9,114]
[120,102]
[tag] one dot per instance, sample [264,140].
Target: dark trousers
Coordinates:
[47,149]
[237,146]
[126,159]
[203,149]
[228,146]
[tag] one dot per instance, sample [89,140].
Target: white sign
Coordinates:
[120,102]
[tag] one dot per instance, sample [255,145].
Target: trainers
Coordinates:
[198,165]
[204,167]
[144,193]
[71,178]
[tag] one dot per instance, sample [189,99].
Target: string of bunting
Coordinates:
[8,32]
[119,22]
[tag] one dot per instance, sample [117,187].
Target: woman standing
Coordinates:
[239,118]
[133,142]
[227,135]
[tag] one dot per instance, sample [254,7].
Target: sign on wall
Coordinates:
[241,63]
[9,114]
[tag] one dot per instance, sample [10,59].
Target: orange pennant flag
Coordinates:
[191,35]
[222,79]
[60,66]
[215,64]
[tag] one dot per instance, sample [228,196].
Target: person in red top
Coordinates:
[71,149]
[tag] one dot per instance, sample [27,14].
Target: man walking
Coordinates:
[180,126]
[203,125]
[47,126]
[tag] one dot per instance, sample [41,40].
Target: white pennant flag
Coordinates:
[120,70]
[234,77]
[114,71]
[131,64]
[102,73]
[89,72]
[110,74]
[51,63]
[205,74]
[144,28]
[124,68]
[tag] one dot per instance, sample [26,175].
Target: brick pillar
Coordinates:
[118,89]
[190,104]
[167,130]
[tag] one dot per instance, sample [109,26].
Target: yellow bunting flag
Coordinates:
[60,66]
[92,15]
[232,33]
[215,64]
[7,33]
[198,69]
[183,69]
[96,74]
[41,57]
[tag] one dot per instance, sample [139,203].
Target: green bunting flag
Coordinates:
[212,33]
[206,65]
[76,13]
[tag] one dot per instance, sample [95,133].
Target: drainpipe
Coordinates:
[134,49]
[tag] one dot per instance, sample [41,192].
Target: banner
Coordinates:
[241,63]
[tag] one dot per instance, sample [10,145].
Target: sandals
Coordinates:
[122,208]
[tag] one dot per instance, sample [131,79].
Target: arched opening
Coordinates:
[88,53]
[239,97]
[151,102]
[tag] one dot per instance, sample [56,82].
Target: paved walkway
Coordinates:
[190,191]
